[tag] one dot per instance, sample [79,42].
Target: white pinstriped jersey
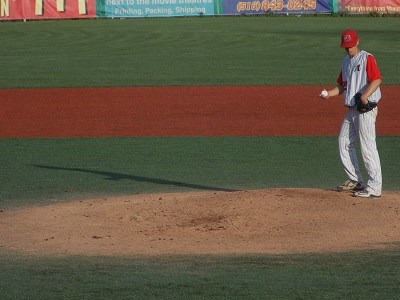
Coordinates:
[356,74]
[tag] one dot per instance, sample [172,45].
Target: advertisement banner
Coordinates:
[155,8]
[46,9]
[369,6]
[251,7]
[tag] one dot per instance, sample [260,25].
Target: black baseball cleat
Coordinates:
[351,186]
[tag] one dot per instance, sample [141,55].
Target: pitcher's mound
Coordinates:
[266,221]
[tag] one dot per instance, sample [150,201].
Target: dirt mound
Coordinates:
[267,221]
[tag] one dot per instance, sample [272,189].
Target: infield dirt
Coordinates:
[272,221]
[182,111]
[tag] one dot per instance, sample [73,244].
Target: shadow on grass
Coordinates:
[119,176]
[353,275]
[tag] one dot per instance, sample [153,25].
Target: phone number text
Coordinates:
[276,5]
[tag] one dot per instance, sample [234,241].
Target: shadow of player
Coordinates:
[119,176]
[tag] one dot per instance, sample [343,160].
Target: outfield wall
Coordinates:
[47,9]
[72,9]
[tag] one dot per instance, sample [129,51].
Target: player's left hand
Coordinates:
[363,105]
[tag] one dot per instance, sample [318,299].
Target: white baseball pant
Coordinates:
[360,127]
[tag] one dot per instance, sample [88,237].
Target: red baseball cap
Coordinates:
[349,39]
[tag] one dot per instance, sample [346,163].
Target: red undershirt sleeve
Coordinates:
[372,69]
[340,79]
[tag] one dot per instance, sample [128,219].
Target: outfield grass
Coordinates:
[189,51]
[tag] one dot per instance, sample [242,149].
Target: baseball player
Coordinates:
[359,82]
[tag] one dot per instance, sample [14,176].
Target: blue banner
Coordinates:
[240,7]
[157,8]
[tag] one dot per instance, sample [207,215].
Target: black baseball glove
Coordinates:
[363,107]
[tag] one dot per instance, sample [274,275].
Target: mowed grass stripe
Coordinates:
[50,170]
[189,51]
[366,275]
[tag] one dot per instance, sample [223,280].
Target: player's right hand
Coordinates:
[324,95]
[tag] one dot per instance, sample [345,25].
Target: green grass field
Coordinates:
[190,51]
[50,170]
[187,51]
[367,275]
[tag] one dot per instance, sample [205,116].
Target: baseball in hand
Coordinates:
[324,94]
